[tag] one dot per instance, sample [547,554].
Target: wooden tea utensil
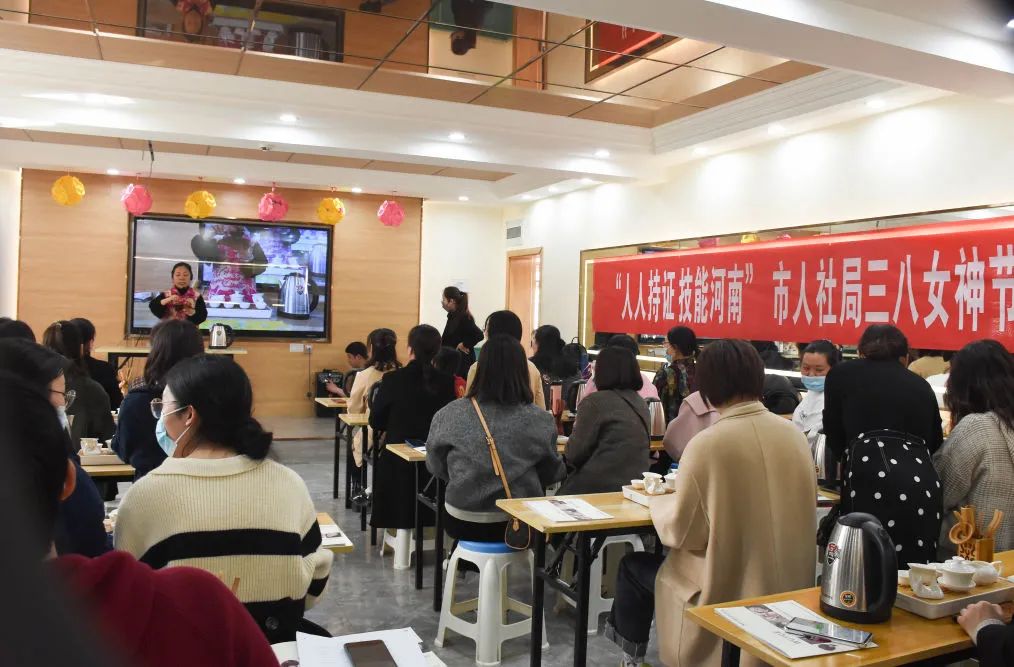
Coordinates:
[994,525]
[962,534]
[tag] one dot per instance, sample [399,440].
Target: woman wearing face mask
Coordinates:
[90,411]
[181,301]
[172,341]
[677,379]
[79,528]
[819,357]
[219,504]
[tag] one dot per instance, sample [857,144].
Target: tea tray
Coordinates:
[639,496]
[952,603]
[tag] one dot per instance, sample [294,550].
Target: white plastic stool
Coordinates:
[491,628]
[402,544]
[598,604]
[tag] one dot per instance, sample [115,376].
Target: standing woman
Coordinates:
[90,413]
[976,464]
[461,331]
[382,344]
[678,378]
[819,357]
[172,341]
[181,301]
[403,408]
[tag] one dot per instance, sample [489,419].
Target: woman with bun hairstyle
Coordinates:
[220,504]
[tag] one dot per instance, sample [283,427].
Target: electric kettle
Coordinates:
[860,574]
[826,462]
[656,417]
[297,302]
[221,336]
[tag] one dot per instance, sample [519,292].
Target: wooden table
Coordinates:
[351,421]
[120,472]
[329,402]
[627,517]
[407,452]
[115,353]
[903,639]
[655,446]
[323,518]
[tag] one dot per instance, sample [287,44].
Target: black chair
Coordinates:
[371,453]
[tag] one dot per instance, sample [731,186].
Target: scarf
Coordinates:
[182,305]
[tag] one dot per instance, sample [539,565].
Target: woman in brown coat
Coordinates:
[741,523]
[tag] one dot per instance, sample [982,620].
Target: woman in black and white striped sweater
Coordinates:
[218,504]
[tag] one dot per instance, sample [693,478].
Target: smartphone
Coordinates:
[828,630]
[412,442]
[370,654]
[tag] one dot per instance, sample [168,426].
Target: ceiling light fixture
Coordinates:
[113,172]
[1010,24]
[602,153]
[875,103]
[462,198]
[776,129]
[288,118]
[357,189]
[239,181]
[526,197]
[456,136]
[700,150]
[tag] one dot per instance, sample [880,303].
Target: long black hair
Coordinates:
[981,380]
[33,363]
[501,375]
[460,299]
[172,341]
[883,342]
[64,338]
[219,390]
[383,350]
[424,341]
[550,344]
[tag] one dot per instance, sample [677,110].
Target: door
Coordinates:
[524,284]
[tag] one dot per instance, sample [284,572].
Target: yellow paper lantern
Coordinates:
[200,204]
[749,238]
[331,210]
[67,190]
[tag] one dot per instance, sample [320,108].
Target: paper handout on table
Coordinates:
[571,509]
[766,623]
[316,651]
[332,536]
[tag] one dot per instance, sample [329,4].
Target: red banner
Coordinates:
[943,285]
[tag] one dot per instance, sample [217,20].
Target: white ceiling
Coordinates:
[982,18]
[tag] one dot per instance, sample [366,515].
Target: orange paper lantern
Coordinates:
[200,204]
[67,190]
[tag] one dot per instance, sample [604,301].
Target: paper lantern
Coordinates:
[784,236]
[748,238]
[390,213]
[67,190]
[272,207]
[136,199]
[331,210]
[200,204]
[708,243]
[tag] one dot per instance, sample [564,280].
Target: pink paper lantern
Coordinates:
[708,243]
[784,237]
[136,199]
[272,207]
[391,213]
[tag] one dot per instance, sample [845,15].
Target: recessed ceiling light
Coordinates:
[239,180]
[588,181]
[774,129]
[1010,24]
[526,197]
[113,172]
[553,188]
[602,153]
[357,189]
[462,198]
[456,136]
[875,103]
[701,150]
[7,121]
[288,118]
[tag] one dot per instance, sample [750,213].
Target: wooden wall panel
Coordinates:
[73,262]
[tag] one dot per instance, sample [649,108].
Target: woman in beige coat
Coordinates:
[383,359]
[741,523]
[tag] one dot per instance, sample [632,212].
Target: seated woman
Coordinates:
[525,435]
[695,415]
[647,389]
[507,323]
[90,415]
[678,378]
[219,504]
[448,360]
[172,341]
[403,408]
[610,442]
[79,525]
[100,371]
[741,523]
[976,463]
[819,357]
[382,344]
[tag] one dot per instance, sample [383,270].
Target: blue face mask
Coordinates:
[668,357]
[167,444]
[814,383]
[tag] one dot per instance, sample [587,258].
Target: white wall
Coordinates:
[10,230]
[948,153]
[461,243]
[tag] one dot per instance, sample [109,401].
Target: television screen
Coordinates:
[263,280]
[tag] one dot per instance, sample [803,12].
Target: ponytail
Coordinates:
[252,440]
[425,343]
[460,300]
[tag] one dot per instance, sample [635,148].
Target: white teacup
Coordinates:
[653,483]
[670,481]
[637,484]
[90,445]
[923,580]
[958,574]
[986,574]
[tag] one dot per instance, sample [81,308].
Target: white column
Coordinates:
[10,233]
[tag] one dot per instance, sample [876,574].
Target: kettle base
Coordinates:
[853,615]
[292,316]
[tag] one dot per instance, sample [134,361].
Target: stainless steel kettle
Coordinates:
[220,337]
[297,301]
[656,417]
[825,462]
[860,573]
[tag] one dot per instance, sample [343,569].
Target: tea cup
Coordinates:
[653,483]
[670,481]
[90,445]
[958,574]
[986,574]
[637,484]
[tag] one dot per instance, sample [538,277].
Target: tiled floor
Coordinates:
[366,593]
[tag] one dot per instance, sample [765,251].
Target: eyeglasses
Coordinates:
[157,406]
[68,396]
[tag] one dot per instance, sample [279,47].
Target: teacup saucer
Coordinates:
[955,589]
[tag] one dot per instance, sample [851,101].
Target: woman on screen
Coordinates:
[181,301]
[236,257]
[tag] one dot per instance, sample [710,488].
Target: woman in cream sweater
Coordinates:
[218,504]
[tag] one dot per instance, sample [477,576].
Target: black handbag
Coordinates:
[518,535]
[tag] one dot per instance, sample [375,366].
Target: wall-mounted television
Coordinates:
[263,280]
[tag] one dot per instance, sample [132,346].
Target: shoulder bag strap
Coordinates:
[493,454]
